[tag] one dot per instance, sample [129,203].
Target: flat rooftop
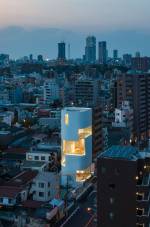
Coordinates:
[30,164]
[79,109]
[121,152]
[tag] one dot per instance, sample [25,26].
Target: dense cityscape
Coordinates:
[74,113]
[75,139]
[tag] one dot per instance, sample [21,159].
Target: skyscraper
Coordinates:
[102,52]
[61,51]
[90,49]
[115,54]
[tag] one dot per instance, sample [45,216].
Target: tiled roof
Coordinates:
[9,191]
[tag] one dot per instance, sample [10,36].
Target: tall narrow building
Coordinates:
[61,51]
[87,95]
[90,50]
[102,52]
[135,88]
[76,134]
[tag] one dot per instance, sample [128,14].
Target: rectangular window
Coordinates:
[42,158]
[74,147]
[9,201]
[85,132]
[29,157]
[41,194]
[66,119]
[41,185]
[36,158]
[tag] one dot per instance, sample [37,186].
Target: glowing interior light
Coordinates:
[66,119]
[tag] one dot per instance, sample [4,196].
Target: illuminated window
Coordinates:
[29,157]
[83,175]
[66,119]
[140,225]
[74,147]
[85,132]
[63,161]
[140,211]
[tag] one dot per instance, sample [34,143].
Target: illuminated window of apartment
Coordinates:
[63,161]
[83,175]
[85,132]
[29,157]
[140,196]
[67,119]
[74,147]
[139,211]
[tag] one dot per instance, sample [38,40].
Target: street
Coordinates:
[84,215]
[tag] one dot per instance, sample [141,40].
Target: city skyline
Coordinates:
[123,24]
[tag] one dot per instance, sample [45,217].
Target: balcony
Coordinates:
[144,180]
[141,197]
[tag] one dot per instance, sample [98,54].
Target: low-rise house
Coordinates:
[17,189]
[34,165]
[45,186]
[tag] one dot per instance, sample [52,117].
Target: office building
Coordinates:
[123,188]
[115,54]
[87,95]
[141,64]
[137,54]
[61,51]
[87,91]
[102,52]
[76,134]
[51,91]
[127,60]
[90,50]
[135,88]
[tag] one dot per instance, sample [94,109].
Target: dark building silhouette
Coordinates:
[102,52]
[141,64]
[123,188]
[90,50]
[87,95]
[135,88]
[62,51]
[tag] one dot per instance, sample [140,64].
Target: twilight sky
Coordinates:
[79,14]
[99,17]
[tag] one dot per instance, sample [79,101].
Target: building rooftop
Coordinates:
[81,109]
[29,164]
[22,178]
[121,152]
[9,191]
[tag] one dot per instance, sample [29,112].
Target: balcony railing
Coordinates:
[144,181]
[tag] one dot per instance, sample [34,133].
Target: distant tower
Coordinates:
[90,49]
[68,51]
[40,58]
[102,52]
[115,54]
[137,54]
[62,51]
